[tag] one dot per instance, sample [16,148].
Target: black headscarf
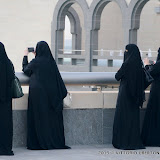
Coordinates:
[53,82]
[43,50]
[135,74]
[6,75]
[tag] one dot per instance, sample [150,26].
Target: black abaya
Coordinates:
[126,128]
[151,125]
[6,124]
[45,102]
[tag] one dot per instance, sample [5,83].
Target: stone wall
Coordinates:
[88,118]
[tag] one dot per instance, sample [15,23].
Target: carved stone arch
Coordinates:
[76,30]
[97,8]
[135,8]
[95,15]
[58,23]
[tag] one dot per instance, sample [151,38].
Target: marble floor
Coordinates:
[84,152]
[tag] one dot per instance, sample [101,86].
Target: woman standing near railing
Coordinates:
[45,102]
[6,124]
[151,125]
[126,128]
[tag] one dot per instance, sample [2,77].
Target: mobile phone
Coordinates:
[30,49]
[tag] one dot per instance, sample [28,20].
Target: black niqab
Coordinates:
[151,124]
[126,127]
[43,50]
[54,86]
[6,123]
[6,74]
[133,63]
[45,101]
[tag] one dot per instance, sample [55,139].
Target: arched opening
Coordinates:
[67,40]
[70,37]
[135,19]
[67,36]
[107,37]
[148,38]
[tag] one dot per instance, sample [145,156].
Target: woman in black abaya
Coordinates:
[45,102]
[6,124]
[126,128]
[151,124]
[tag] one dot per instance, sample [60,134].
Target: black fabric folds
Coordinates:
[133,70]
[6,124]
[55,82]
[47,74]
[45,102]
[6,74]
[151,125]
[126,127]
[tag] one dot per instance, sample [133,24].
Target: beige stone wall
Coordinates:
[23,23]
[111,31]
[149,32]
[81,99]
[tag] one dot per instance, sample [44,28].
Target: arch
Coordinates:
[76,29]
[58,22]
[136,7]
[96,10]
[92,18]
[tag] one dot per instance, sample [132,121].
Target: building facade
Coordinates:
[100,29]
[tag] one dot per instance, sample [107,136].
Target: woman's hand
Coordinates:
[26,52]
[146,61]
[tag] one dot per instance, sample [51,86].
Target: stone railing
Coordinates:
[80,78]
[102,60]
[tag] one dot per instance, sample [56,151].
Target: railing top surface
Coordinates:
[79,78]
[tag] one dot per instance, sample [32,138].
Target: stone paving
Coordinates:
[84,152]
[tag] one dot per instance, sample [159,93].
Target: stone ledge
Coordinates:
[81,100]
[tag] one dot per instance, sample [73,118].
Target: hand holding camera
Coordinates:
[146,61]
[28,50]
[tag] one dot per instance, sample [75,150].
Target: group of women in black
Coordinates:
[45,102]
[126,128]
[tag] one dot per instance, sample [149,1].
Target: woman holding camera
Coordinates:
[6,124]
[151,124]
[45,102]
[126,128]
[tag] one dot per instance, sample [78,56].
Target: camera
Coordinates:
[30,49]
[151,62]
